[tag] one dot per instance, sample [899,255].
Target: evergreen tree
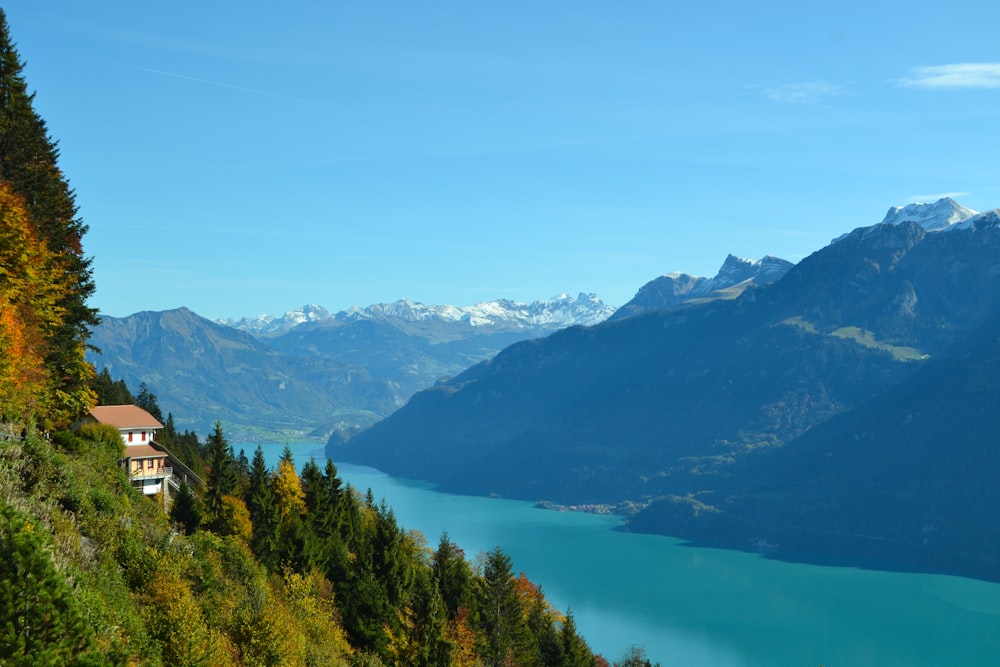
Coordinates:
[185,510]
[543,627]
[40,623]
[28,163]
[264,513]
[146,400]
[429,624]
[321,513]
[508,639]
[222,475]
[453,576]
[575,651]
[111,392]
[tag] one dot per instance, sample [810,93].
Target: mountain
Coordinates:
[933,216]
[943,214]
[543,316]
[673,289]
[202,372]
[415,345]
[266,325]
[907,479]
[674,403]
[312,372]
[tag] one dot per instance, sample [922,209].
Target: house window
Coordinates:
[144,436]
[149,464]
[130,436]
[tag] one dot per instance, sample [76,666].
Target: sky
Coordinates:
[249,158]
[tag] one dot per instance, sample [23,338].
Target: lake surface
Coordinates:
[701,607]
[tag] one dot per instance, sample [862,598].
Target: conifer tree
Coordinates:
[264,513]
[146,400]
[453,576]
[111,392]
[575,651]
[508,639]
[185,510]
[222,475]
[40,623]
[28,164]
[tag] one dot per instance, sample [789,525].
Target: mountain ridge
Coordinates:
[556,312]
[670,403]
[673,289]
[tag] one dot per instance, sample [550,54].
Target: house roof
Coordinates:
[143,452]
[124,416]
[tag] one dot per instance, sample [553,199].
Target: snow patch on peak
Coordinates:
[558,312]
[933,217]
[941,215]
[987,218]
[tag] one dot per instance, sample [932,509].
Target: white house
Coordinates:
[146,463]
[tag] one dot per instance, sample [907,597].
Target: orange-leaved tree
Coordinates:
[32,280]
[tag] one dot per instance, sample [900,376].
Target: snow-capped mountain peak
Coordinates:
[933,216]
[558,312]
[942,215]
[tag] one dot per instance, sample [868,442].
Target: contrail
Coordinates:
[230,86]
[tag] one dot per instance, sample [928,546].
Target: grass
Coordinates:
[861,337]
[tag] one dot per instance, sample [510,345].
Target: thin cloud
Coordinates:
[961,75]
[220,84]
[803,92]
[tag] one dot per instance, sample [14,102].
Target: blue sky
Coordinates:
[248,158]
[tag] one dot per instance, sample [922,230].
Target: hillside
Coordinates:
[264,567]
[904,480]
[672,402]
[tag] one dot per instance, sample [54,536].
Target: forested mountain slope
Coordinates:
[671,403]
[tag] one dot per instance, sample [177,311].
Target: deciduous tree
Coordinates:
[28,164]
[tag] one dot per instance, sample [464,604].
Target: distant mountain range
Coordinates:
[845,411]
[500,315]
[310,372]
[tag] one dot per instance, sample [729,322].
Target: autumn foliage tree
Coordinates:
[45,278]
[31,281]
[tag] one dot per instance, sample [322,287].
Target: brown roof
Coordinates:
[124,416]
[142,452]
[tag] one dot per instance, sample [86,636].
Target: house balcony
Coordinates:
[151,473]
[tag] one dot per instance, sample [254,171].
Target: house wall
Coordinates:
[137,436]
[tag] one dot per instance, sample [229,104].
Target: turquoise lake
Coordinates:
[698,607]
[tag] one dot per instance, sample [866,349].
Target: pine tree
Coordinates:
[508,639]
[111,392]
[146,400]
[40,623]
[185,510]
[576,653]
[222,475]
[453,576]
[264,513]
[28,163]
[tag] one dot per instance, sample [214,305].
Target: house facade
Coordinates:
[150,467]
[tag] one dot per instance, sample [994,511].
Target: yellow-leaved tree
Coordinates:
[32,280]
